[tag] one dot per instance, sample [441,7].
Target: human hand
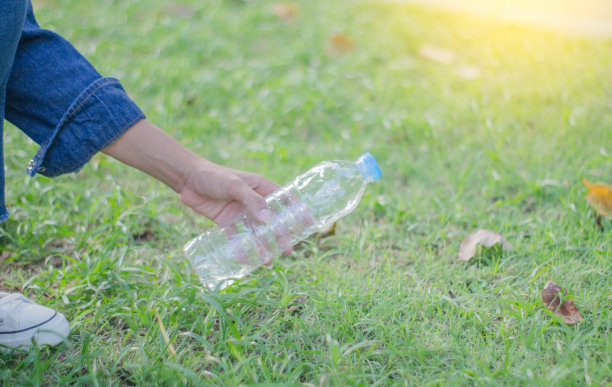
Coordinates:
[219,193]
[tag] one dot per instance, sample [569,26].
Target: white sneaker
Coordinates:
[23,321]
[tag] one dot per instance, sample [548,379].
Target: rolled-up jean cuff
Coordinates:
[4,215]
[95,119]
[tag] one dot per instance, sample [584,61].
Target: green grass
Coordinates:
[370,305]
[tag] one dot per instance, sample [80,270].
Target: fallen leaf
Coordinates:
[468,72]
[287,12]
[487,238]
[599,197]
[178,9]
[298,305]
[330,231]
[437,54]
[339,44]
[293,308]
[551,295]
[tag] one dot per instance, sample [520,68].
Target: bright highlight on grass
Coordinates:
[577,17]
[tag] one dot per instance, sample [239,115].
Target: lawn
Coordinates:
[475,123]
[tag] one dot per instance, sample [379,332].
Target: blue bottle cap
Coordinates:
[369,167]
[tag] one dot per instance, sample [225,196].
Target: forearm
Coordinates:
[212,190]
[151,150]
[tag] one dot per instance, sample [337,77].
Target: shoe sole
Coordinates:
[51,332]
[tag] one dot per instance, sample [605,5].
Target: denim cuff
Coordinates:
[4,215]
[94,120]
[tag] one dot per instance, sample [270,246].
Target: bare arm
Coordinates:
[212,190]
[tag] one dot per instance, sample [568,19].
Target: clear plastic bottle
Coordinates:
[312,202]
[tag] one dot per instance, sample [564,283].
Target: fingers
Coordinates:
[259,184]
[227,215]
[249,190]
[265,187]
[254,203]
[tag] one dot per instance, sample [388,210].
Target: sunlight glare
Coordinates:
[581,17]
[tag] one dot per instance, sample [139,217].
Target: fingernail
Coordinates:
[265,215]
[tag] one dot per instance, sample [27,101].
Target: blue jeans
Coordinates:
[54,95]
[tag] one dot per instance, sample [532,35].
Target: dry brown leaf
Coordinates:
[339,44]
[330,231]
[287,12]
[551,295]
[437,54]
[293,308]
[487,238]
[599,197]
[177,9]
[298,305]
[468,72]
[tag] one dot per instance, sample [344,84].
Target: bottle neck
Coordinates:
[365,172]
